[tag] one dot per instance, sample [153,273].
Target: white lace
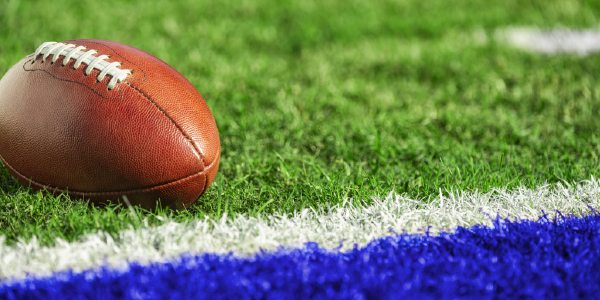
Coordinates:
[70,51]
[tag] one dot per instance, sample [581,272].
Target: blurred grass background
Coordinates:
[321,101]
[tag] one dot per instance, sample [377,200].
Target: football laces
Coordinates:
[86,57]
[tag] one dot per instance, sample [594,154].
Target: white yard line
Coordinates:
[327,226]
[555,41]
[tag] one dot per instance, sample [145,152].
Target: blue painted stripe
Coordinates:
[551,258]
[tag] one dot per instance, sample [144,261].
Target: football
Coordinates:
[106,122]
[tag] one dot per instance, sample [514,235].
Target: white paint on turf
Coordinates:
[554,41]
[246,235]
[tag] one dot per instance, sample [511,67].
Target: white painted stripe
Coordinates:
[555,41]
[327,226]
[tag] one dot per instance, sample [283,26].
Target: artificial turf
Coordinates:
[317,102]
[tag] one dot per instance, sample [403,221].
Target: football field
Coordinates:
[356,137]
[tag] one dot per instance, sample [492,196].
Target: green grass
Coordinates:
[319,102]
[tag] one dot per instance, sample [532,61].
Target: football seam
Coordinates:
[208,168]
[73,81]
[66,190]
[188,138]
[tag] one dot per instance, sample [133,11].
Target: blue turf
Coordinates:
[542,259]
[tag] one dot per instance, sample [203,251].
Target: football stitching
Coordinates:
[90,57]
[117,53]
[61,190]
[67,80]
[189,139]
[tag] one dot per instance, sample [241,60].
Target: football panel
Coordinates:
[171,91]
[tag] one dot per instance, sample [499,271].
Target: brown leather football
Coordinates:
[101,120]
